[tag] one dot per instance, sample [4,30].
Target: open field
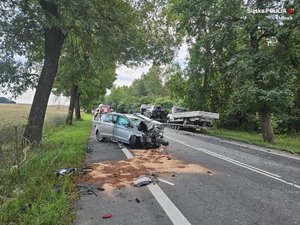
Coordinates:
[17,114]
[13,117]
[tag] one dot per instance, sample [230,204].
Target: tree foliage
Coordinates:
[240,62]
[33,34]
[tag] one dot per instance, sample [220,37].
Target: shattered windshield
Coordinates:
[136,121]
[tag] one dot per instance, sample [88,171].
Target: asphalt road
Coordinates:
[244,185]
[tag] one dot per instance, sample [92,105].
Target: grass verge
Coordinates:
[41,197]
[289,143]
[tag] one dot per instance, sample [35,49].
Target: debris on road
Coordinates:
[91,192]
[65,171]
[101,189]
[107,216]
[156,162]
[142,181]
[86,170]
[137,200]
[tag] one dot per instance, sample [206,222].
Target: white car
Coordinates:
[128,129]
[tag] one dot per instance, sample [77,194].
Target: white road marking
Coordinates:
[165,181]
[245,145]
[126,151]
[171,210]
[246,166]
[168,206]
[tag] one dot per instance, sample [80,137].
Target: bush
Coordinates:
[239,121]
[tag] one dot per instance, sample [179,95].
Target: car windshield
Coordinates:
[135,120]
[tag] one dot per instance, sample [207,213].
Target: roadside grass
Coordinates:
[289,143]
[41,197]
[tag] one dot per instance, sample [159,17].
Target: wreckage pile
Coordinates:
[153,162]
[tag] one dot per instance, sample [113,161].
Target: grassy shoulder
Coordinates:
[41,197]
[290,143]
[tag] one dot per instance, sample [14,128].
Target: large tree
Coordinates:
[33,34]
[228,41]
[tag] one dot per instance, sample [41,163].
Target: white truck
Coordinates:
[180,118]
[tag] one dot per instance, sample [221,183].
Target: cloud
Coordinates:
[125,75]
[27,98]
[182,55]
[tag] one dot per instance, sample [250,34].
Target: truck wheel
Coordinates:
[99,137]
[133,140]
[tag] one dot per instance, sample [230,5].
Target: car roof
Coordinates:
[132,116]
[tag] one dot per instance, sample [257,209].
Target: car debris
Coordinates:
[137,200]
[106,216]
[65,171]
[91,192]
[143,181]
[86,170]
[101,189]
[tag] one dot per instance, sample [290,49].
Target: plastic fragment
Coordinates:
[107,216]
[142,181]
[65,171]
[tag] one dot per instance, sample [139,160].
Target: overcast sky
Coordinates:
[125,76]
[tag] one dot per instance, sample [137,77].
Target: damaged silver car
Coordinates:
[129,129]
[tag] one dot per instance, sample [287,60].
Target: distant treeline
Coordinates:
[5,100]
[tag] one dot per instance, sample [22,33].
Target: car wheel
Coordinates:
[142,142]
[133,141]
[99,137]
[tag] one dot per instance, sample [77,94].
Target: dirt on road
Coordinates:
[154,162]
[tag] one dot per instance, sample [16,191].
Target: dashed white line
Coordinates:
[171,210]
[246,166]
[165,181]
[168,206]
[126,152]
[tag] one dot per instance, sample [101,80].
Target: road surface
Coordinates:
[241,184]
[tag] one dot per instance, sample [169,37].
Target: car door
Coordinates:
[122,129]
[106,126]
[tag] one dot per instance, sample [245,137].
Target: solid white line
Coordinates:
[126,151]
[171,210]
[246,166]
[165,181]
[226,158]
[246,145]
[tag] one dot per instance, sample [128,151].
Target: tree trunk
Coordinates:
[54,39]
[266,126]
[203,92]
[73,93]
[77,106]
